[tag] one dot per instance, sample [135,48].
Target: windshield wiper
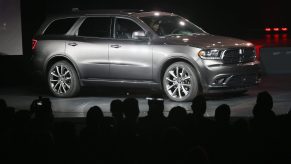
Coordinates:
[198,33]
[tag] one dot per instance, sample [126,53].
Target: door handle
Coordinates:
[115,46]
[72,44]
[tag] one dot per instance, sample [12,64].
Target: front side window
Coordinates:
[96,27]
[60,27]
[171,25]
[124,28]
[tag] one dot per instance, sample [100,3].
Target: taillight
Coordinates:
[34,43]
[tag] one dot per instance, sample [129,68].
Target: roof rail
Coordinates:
[120,10]
[133,10]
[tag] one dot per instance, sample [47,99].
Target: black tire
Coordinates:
[187,78]
[66,85]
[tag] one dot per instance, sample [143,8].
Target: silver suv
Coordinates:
[148,49]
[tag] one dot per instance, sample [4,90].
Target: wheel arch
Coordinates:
[52,60]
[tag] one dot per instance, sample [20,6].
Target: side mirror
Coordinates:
[139,35]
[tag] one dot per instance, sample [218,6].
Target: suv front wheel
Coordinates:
[63,80]
[180,82]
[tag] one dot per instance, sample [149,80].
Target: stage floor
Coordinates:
[279,86]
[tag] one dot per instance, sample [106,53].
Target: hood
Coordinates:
[204,41]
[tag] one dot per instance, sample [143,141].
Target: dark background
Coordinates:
[243,19]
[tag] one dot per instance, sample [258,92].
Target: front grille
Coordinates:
[239,55]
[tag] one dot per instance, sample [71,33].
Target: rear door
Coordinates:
[89,47]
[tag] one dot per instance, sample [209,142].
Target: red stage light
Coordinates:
[34,42]
[276,29]
[284,29]
[267,29]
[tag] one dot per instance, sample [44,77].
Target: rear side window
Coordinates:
[60,27]
[96,27]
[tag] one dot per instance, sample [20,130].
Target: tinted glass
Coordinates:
[96,27]
[171,25]
[124,28]
[60,27]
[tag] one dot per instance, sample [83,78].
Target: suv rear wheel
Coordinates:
[180,82]
[63,80]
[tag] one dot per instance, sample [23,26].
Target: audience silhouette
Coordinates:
[116,109]
[222,114]
[199,106]
[35,136]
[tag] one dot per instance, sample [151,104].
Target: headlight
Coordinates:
[210,54]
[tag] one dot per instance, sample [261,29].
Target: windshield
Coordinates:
[171,25]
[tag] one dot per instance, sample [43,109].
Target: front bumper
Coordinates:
[219,77]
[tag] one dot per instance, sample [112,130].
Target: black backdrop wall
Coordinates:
[242,18]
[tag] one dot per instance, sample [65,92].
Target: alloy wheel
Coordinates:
[60,79]
[178,82]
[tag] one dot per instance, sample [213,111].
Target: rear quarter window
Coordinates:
[60,26]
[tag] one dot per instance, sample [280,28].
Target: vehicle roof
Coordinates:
[133,13]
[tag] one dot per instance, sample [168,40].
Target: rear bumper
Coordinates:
[36,68]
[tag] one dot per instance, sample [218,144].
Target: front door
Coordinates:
[130,58]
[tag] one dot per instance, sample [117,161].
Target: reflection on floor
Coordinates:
[241,105]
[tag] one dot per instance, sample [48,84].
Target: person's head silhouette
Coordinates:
[156,107]
[94,116]
[131,108]
[265,100]
[116,109]
[222,113]
[177,115]
[3,104]
[197,155]
[199,106]
[263,106]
